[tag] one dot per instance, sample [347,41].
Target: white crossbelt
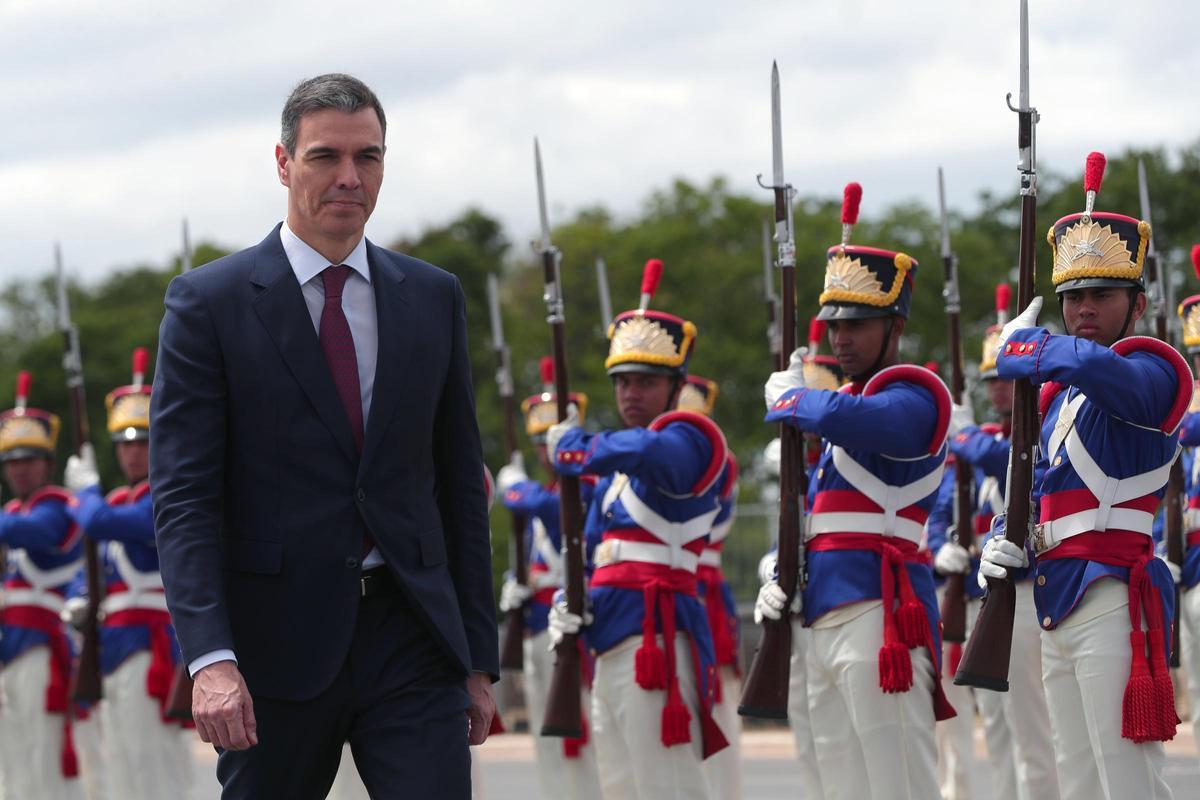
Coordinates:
[553,576]
[43,579]
[676,534]
[710,558]
[887,496]
[33,597]
[613,551]
[125,601]
[1191,519]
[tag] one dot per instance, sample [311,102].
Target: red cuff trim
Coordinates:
[731,476]
[927,380]
[720,454]
[789,400]
[1184,381]
[570,456]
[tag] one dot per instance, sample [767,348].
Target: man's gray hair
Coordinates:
[334,90]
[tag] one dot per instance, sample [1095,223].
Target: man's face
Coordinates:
[25,476]
[1000,393]
[642,396]
[1097,313]
[134,459]
[856,342]
[334,176]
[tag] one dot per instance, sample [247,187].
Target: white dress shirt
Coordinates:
[358,304]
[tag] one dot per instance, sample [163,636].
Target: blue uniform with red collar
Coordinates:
[941,517]
[1103,429]
[1189,437]
[714,588]
[135,615]
[44,553]
[540,504]
[655,502]
[876,483]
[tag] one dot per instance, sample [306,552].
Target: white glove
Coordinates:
[780,383]
[1026,319]
[1176,570]
[513,594]
[81,470]
[770,602]
[961,417]
[952,559]
[511,473]
[563,622]
[559,429]
[74,612]
[999,555]
[772,457]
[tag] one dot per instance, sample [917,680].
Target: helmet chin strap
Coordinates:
[883,349]
[1133,293]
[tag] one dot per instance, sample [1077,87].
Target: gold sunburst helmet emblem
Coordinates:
[1094,247]
[698,395]
[1189,315]
[541,411]
[987,361]
[652,338]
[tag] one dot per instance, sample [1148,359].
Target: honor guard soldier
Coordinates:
[1016,723]
[149,756]
[44,555]
[724,769]
[566,767]
[656,500]
[873,688]
[1189,611]
[1111,405]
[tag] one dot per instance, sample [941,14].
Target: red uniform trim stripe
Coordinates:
[720,455]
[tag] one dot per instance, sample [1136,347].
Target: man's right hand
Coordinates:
[222,707]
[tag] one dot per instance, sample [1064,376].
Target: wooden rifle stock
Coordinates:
[986,655]
[512,646]
[765,692]
[179,700]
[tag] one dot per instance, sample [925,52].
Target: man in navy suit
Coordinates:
[318,488]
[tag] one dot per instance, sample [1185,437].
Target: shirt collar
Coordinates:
[307,263]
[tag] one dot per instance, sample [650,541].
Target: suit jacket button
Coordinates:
[351,563]
[360,495]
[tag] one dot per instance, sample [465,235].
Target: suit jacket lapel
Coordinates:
[393,312]
[280,307]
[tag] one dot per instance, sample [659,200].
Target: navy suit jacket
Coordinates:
[261,499]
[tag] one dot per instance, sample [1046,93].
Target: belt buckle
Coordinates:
[605,553]
[1039,537]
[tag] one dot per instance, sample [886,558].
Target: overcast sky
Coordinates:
[123,117]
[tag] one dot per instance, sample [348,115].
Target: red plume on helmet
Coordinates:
[1196,259]
[1093,176]
[1003,298]
[24,384]
[816,332]
[546,368]
[141,362]
[651,275]
[851,199]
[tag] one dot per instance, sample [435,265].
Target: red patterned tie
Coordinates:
[338,344]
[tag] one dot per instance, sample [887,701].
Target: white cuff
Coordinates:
[210,658]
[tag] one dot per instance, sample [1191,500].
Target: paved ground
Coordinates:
[506,764]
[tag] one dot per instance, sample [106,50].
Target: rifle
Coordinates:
[179,698]
[511,649]
[765,693]
[606,314]
[986,655]
[86,682]
[770,298]
[954,599]
[563,715]
[1176,495]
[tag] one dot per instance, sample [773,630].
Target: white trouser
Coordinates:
[806,751]
[89,742]
[627,728]
[1189,652]
[1085,668]
[724,769]
[558,776]
[147,758]
[955,736]
[869,744]
[30,739]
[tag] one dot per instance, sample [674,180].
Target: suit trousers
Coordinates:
[802,734]
[869,744]
[627,726]
[1085,668]
[558,776]
[30,739]
[398,701]
[1189,655]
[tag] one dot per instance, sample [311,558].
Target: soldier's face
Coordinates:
[334,176]
[642,396]
[856,343]
[134,459]
[25,476]
[1097,313]
[1000,393]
